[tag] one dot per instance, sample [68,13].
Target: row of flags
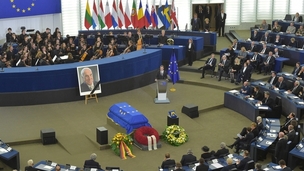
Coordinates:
[119,18]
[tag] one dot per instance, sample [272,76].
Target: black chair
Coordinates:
[289,84]
[288,17]
[249,165]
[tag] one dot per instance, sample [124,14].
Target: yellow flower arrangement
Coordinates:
[122,145]
[175,135]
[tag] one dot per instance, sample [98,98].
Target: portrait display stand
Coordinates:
[92,95]
[161,88]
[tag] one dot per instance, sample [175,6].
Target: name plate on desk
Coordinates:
[263,107]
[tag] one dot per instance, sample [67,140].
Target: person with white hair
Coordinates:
[222,151]
[30,164]
[229,166]
[88,83]
[188,158]
[295,89]
[259,122]
[92,163]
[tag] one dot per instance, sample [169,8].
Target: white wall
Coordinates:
[39,22]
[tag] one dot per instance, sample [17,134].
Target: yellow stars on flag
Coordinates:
[23,10]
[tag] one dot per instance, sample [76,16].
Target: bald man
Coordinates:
[88,80]
[281,148]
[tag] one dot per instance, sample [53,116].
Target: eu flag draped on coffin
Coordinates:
[127,117]
[22,8]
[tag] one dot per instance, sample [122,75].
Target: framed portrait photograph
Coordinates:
[88,80]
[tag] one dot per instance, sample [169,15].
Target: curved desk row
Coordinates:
[289,101]
[59,83]
[50,166]
[296,155]
[10,158]
[246,107]
[285,24]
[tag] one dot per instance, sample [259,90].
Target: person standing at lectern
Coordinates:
[161,74]
[88,80]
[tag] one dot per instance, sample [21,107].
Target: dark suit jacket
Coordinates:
[187,158]
[300,19]
[30,168]
[245,75]
[247,89]
[255,132]
[242,164]
[221,152]
[91,164]
[167,163]
[206,155]
[296,90]
[191,49]
[269,102]
[213,61]
[291,136]
[286,169]
[202,167]
[280,149]
[260,126]
[263,38]
[257,95]
[222,20]
[296,70]
[179,170]
[281,85]
[226,66]
[279,42]
[84,87]
[274,81]
[228,167]
[271,61]
[252,48]
[162,39]
[255,37]
[266,51]
[196,25]
[161,77]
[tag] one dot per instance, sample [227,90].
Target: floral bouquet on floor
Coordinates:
[122,145]
[175,135]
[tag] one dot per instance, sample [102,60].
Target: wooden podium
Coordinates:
[90,96]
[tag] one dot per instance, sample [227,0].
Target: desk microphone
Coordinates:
[2,69]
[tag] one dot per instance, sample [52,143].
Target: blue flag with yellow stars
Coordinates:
[22,8]
[173,69]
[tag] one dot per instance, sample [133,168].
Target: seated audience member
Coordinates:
[300,31]
[273,79]
[236,66]
[280,84]
[265,38]
[29,167]
[258,167]
[223,66]
[251,47]
[267,64]
[210,64]
[178,167]
[229,53]
[92,163]
[206,155]
[57,168]
[242,55]
[276,27]
[259,123]
[235,45]
[300,74]
[276,53]
[291,134]
[264,25]
[243,142]
[188,158]
[246,90]
[255,36]
[291,29]
[256,59]
[297,18]
[222,151]
[267,100]
[280,148]
[162,39]
[293,43]
[168,162]
[244,74]
[282,164]
[277,40]
[229,166]
[241,164]
[256,93]
[291,117]
[202,166]
[301,93]
[296,69]
[264,49]
[296,88]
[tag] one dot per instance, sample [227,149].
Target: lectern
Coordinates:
[161,88]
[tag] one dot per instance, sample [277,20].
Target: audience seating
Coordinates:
[249,165]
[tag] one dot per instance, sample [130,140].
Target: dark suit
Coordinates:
[286,169]
[270,61]
[252,48]
[190,53]
[265,39]
[167,163]
[208,13]
[206,155]
[228,167]
[293,44]
[196,24]
[255,37]
[296,70]
[255,60]
[296,90]
[291,136]
[280,85]
[275,80]
[269,102]
[260,126]
[224,68]
[280,150]
[286,124]
[160,76]
[245,90]
[257,95]
[279,42]
[30,168]
[91,164]
[242,164]
[202,167]
[262,51]
[221,21]
[220,152]
[179,170]
[84,87]
[187,158]
[244,75]
[211,61]
[162,39]
[300,19]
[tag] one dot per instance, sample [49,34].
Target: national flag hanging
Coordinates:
[140,16]
[108,17]
[167,18]
[173,69]
[160,14]
[174,21]
[114,15]
[154,18]
[101,17]
[121,19]
[134,15]
[94,16]
[87,17]
[127,16]
[147,16]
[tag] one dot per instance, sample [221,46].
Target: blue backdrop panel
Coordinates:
[21,8]
[127,117]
